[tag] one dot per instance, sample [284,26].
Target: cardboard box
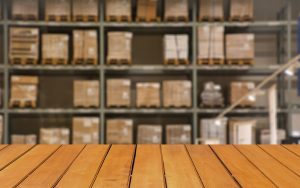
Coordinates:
[24,44]
[242,131]
[147,9]
[85,43]
[1,130]
[176,8]
[240,46]
[240,89]
[119,45]
[118,8]
[86,93]
[212,133]
[294,130]
[211,42]
[58,8]
[176,47]
[85,8]
[118,93]
[241,8]
[55,46]
[179,134]
[212,95]
[85,130]
[54,136]
[25,9]
[24,139]
[265,136]
[119,131]
[148,94]
[149,134]
[211,10]
[177,93]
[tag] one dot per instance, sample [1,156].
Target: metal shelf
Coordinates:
[148,111]
[55,67]
[54,111]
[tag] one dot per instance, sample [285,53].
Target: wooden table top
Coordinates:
[144,166]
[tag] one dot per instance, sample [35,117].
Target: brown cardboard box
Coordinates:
[118,93]
[176,8]
[1,129]
[211,42]
[265,136]
[85,8]
[86,93]
[85,45]
[58,8]
[119,45]
[24,44]
[55,46]
[54,136]
[25,9]
[242,131]
[240,46]
[119,131]
[85,130]
[177,93]
[24,139]
[176,47]
[148,94]
[211,10]
[179,134]
[149,134]
[147,9]
[241,8]
[238,90]
[118,8]
[212,133]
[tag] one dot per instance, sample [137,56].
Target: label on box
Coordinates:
[250,37]
[128,122]
[156,85]
[187,128]
[126,83]
[92,34]
[128,35]
[86,138]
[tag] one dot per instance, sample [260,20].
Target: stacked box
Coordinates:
[241,9]
[242,131]
[176,47]
[265,136]
[149,134]
[213,133]
[85,44]
[211,10]
[148,94]
[119,45]
[239,90]
[147,9]
[24,44]
[58,9]
[211,42]
[54,136]
[85,130]
[25,9]
[176,9]
[24,89]
[179,134]
[118,93]
[85,8]
[55,46]
[177,93]
[1,129]
[119,131]
[24,139]
[118,8]
[86,93]
[292,97]
[294,130]
[212,95]
[240,46]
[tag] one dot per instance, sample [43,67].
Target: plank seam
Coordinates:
[291,150]
[163,167]
[132,165]
[4,147]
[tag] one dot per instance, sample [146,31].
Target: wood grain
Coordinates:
[148,167]
[116,169]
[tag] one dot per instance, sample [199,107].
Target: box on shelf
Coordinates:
[85,47]
[24,139]
[24,45]
[54,136]
[147,10]
[211,10]
[241,10]
[149,134]
[118,10]
[176,47]
[1,129]
[240,46]
[24,91]
[265,136]
[119,48]
[85,130]
[85,10]
[148,94]
[55,48]
[242,131]
[213,133]
[58,10]
[86,93]
[177,93]
[238,90]
[292,97]
[118,93]
[176,10]
[119,131]
[179,134]
[294,130]
[212,95]
[25,10]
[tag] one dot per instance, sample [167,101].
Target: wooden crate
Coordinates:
[176,11]
[118,11]
[85,10]
[58,10]
[25,10]
[147,11]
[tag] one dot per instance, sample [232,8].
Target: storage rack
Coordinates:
[284,26]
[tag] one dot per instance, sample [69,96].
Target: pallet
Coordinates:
[148,106]
[145,19]
[118,106]
[176,19]
[23,61]
[240,61]
[82,61]
[58,18]
[22,17]
[176,106]
[85,18]
[211,61]
[176,62]
[211,19]
[50,61]
[112,61]
[212,105]
[247,106]
[237,18]
[118,18]
[22,104]
[86,106]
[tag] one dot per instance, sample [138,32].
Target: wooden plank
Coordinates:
[179,169]
[293,148]
[19,170]
[49,173]
[2,147]
[287,158]
[116,169]
[11,153]
[148,167]
[85,167]
[241,169]
[275,171]
[208,166]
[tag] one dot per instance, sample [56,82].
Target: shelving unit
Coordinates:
[283,27]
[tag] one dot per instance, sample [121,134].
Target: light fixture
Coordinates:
[289,71]
[218,122]
[252,98]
